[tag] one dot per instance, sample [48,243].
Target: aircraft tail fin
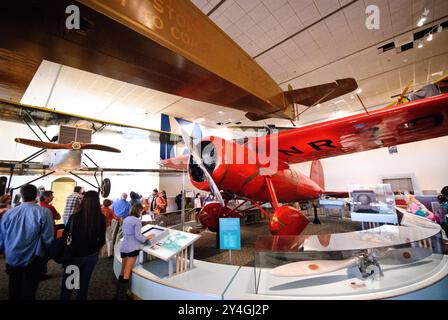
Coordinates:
[317,173]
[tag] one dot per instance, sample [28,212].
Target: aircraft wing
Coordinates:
[414,121]
[171,46]
[324,92]
[177,163]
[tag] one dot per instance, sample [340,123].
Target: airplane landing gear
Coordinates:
[210,214]
[287,221]
[316,218]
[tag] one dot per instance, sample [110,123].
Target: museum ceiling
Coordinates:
[298,42]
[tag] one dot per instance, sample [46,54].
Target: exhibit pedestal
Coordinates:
[416,270]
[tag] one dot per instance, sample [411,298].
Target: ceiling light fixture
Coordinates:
[429,38]
[421,22]
[220,112]
[359,91]
[420,45]
[423,17]
[439,28]
[437,74]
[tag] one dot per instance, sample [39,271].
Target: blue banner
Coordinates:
[229,234]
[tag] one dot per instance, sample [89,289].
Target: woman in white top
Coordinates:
[130,248]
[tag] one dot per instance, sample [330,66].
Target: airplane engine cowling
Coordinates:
[223,160]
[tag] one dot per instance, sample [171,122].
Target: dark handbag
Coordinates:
[59,249]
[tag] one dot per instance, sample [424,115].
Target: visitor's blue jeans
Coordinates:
[85,265]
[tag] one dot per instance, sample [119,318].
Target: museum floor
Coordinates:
[206,250]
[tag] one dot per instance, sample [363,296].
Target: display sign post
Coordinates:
[182,213]
[229,235]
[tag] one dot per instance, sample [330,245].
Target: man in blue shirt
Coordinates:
[25,234]
[121,207]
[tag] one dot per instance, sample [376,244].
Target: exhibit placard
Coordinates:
[372,203]
[229,234]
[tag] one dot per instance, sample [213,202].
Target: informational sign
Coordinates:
[229,234]
[167,242]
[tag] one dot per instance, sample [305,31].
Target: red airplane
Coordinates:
[390,126]
[171,46]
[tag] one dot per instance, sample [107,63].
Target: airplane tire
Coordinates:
[105,188]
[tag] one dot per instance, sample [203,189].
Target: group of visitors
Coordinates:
[440,215]
[27,233]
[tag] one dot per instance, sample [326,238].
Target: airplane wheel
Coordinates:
[105,188]
[210,214]
[287,221]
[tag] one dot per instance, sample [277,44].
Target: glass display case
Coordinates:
[377,263]
[372,203]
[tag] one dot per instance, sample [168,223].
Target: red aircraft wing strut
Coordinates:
[272,193]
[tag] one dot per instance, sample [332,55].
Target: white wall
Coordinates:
[172,184]
[424,161]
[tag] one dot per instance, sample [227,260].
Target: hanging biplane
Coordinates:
[171,46]
[65,151]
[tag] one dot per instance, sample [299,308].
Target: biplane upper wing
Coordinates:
[414,121]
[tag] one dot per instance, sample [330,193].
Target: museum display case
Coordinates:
[372,203]
[377,263]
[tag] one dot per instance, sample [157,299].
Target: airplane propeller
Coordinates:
[70,146]
[401,97]
[390,256]
[197,158]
